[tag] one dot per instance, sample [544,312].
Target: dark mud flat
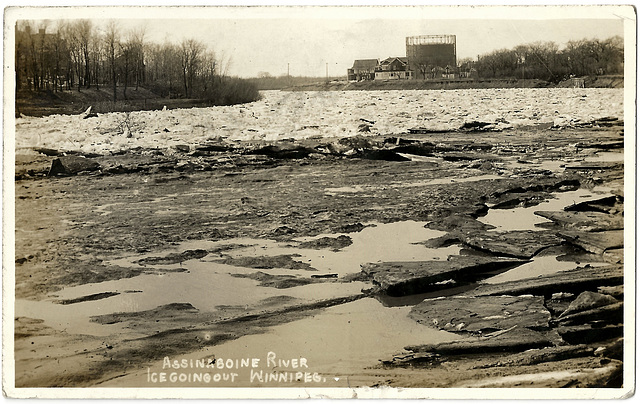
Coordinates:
[249,228]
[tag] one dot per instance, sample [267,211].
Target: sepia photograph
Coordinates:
[319,202]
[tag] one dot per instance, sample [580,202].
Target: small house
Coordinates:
[470,73]
[393,68]
[363,69]
[449,72]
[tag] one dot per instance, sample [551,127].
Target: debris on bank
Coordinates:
[482,315]
[573,281]
[71,165]
[174,258]
[276,281]
[334,243]
[267,262]
[523,244]
[414,277]
[536,321]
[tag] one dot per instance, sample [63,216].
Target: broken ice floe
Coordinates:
[297,115]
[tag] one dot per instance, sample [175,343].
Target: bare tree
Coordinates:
[97,58]
[191,51]
[77,35]
[171,64]
[69,36]
[60,54]
[112,41]
[225,63]
[136,40]
[163,67]
[41,48]
[209,69]
[425,69]
[126,56]
[31,46]
[84,31]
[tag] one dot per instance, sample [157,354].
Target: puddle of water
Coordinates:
[337,342]
[205,286]
[377,243]
[208,284]
[68,317]
[606,157]
[382,243]
[539,266]
[522,218]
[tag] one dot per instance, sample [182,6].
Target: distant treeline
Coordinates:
[76,54]
[546,61]
[265,81]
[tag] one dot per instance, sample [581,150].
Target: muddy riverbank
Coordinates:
[326,249]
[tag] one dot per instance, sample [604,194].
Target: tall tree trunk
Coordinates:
[55,77]
[186,91]
[87,69]
[137,73]
[126,78]
[113,78]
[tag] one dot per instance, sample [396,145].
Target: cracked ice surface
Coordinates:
[285,115]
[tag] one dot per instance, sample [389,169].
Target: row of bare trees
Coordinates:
[76,54]
[546,61]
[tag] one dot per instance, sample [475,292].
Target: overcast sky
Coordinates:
[266,39]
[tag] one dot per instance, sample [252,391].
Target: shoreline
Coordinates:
[74,102]
[457,84]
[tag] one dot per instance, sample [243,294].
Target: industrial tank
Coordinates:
[431,50]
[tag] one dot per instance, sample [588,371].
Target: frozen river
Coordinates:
[285,115]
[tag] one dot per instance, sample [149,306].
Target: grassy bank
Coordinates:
[227,92]
[100,101]
[453,84]
[598,82]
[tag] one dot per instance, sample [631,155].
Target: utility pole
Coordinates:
[327,72]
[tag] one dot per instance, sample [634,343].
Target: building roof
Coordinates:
[365,63]
[389,60]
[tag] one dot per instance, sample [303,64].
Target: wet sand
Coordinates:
[106,286]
